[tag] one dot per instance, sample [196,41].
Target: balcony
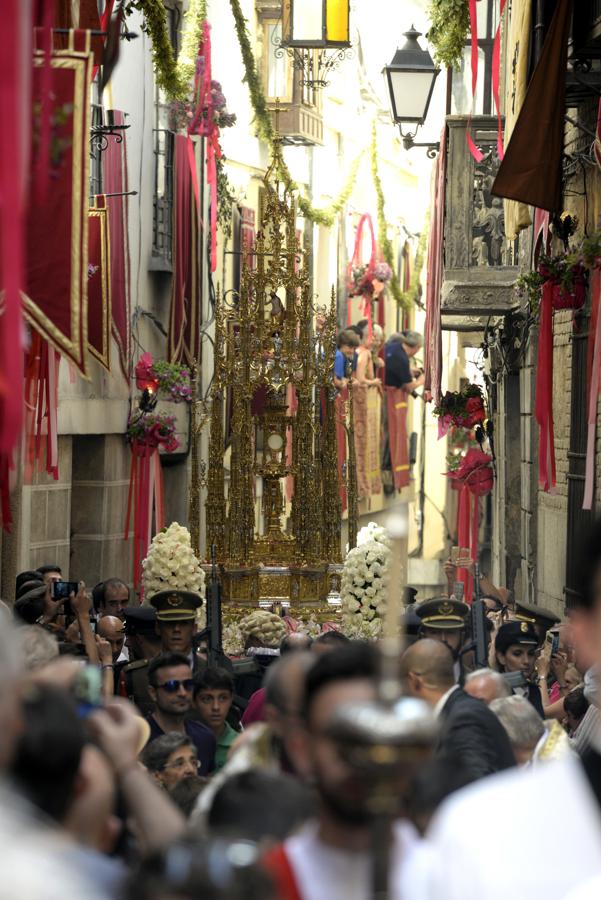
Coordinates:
[479,262]
[586,30]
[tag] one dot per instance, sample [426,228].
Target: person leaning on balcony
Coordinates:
[398,351]
[348,341]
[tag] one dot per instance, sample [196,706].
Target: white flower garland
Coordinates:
[364,583]
[171,563]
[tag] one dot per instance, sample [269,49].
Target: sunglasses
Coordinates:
[173,685]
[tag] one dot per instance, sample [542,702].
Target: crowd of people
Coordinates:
[382,377]
[140,761]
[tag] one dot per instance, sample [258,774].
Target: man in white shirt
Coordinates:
[495,837]
[331,858]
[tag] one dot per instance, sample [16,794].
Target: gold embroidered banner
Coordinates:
[99,283]
[56,297]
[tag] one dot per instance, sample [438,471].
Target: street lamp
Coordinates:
[315,25]
[410,79]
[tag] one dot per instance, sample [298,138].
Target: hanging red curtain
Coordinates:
[396,408]
[433,329]
[185,314]
[473,479]
[146,496]
[41,408]
[99,284]
[114,175]
[56,295]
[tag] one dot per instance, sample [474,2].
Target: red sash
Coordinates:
[278,865]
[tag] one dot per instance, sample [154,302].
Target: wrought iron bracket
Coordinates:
[100,134]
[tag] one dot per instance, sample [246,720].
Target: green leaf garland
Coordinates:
[383,239]
[449,30]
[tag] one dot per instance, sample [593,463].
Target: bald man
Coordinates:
[112,630]
[471,736]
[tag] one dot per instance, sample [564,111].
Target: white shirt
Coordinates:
[493,840]
[440,703]
[329,873]
[590,890]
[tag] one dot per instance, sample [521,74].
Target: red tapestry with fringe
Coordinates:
[396,407]
[99,284]
[184,319]
[56,294]
[114,179]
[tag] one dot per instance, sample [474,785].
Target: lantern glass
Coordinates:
[411,76]
[410,95]
[315,23]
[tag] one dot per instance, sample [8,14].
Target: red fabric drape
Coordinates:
[365,305]
[184,320]
[396,401]
[543,409]
[56,295]
[433,336]
[99,284]
[340,406]
[15,108]
[41,406]
[145,497]
[114,174]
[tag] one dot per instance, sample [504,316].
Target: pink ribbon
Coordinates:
[543,409]
[476,153]
[365,220]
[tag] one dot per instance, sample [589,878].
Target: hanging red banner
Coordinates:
[114,175]
[56,295]
[396,407]
[184,319]
[41,408]
[99,284]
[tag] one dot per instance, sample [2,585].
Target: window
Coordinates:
[461,92]
[164,147]
[96,121]
[278,71]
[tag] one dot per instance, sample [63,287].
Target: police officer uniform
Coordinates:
[446,614]
[541,618]
[522,633]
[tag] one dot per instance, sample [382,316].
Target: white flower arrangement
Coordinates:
[364,583]
[172,563]
[265,627]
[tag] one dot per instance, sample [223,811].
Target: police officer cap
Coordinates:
[515,632]
[176,606]
[409,595]
[528,612]
[443,613]
[139,619]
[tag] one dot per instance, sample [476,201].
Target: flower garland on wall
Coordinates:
[364,584]
[174,78]
[172,75]
[172,563]
[461,409]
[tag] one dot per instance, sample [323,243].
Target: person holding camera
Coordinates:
[516,645]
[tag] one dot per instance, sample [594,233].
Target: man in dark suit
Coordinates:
[471,736]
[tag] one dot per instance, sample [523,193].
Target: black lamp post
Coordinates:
[410,78]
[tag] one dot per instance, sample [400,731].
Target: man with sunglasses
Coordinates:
[170,687]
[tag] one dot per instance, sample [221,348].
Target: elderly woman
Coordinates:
[170,758]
